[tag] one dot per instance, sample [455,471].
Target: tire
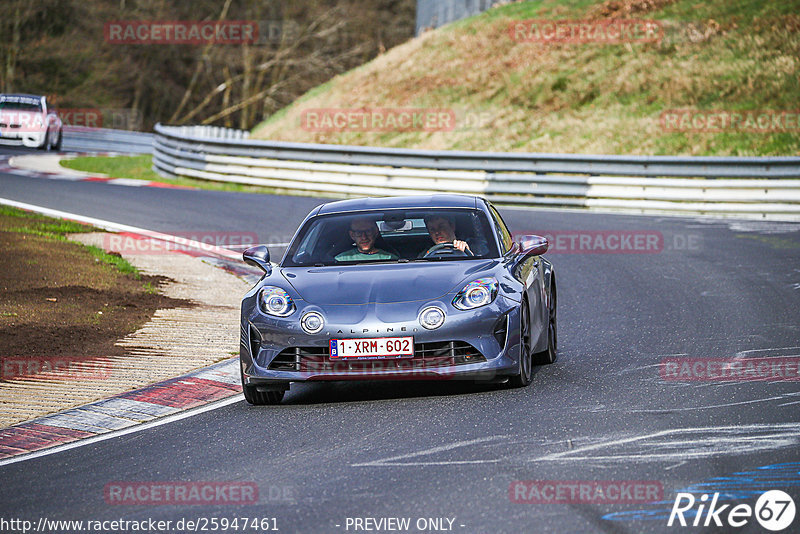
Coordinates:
[259,398]
[46,145]
[525,374]
[57,146]
[548,356]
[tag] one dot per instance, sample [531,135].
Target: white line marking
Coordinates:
[117,433]
[116,227]
[129,182]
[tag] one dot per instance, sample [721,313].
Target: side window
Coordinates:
[309,242]
[503,235]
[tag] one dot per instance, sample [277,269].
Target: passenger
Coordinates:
[363,231]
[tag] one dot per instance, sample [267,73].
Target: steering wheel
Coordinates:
[436,248]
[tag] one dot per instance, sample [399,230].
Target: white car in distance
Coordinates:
[28,120]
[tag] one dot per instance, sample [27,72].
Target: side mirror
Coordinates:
[532,245]
[259,257]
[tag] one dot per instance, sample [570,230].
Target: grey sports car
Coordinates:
[418,287]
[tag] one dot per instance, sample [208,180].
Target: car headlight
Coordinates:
[275,301]
[431,317]
[477,293]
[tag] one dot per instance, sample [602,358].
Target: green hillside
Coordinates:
[726,56]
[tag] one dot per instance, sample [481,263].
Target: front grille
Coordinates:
[426,356]
[293,358]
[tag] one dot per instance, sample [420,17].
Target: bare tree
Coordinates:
[272,75]
[14,14]
[58,47]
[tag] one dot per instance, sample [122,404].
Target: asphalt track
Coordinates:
[602,412]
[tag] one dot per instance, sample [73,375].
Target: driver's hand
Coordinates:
[461,245]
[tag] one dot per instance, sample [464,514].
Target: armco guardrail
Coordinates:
[753,187]
[83,139]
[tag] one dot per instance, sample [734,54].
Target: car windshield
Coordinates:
[20,104]
[392,236]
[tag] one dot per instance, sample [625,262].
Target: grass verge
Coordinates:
[59,298]
[57,229]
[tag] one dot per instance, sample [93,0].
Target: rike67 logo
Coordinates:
[774,510]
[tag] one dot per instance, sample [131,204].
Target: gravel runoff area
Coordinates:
[173,342]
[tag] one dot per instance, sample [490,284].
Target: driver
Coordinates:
[442,229]
[363,231]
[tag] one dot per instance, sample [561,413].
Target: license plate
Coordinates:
[372,348]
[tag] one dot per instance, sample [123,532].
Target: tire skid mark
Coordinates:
[671,445]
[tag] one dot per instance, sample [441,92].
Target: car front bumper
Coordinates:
[28,139]
[266,340]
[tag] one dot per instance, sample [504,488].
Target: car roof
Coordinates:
[3,95]
[409,202]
